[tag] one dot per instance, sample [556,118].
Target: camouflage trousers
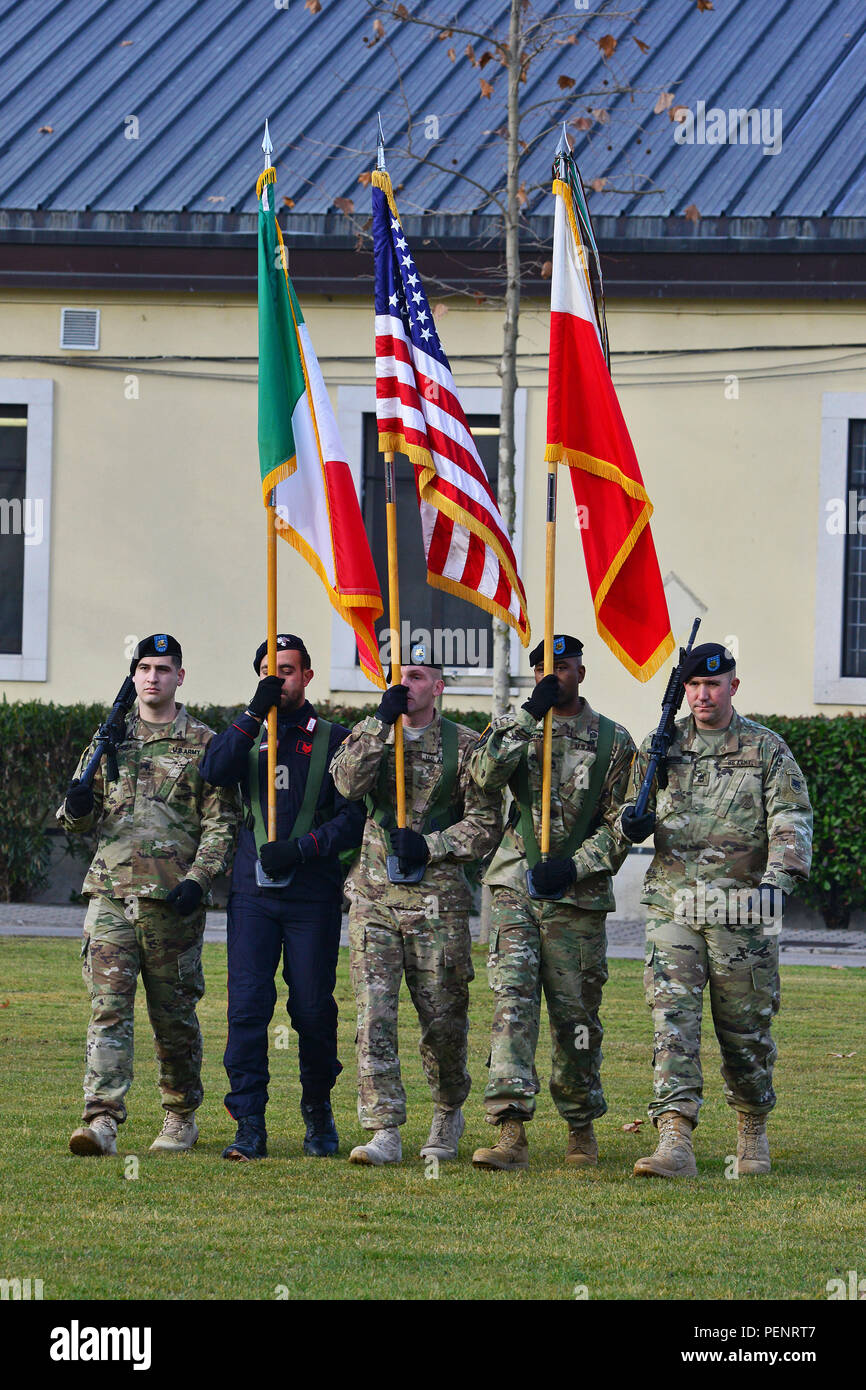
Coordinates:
[434,953]
[122,938]
[742,967]
[562,950]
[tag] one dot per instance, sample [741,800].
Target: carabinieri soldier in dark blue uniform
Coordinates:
[301,922]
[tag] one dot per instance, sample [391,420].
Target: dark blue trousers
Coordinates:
[307,936]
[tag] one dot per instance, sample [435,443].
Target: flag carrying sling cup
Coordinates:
[315,777]
[443,812]
[519,784]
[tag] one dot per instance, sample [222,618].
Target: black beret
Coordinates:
[419,655]
[286,642]
[562,646]
[709,659]
[160,644]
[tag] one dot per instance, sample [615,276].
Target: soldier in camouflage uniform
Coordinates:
[733,835]
[164,836]
[558,946]
[420,929]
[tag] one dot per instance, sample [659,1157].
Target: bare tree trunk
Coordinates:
[508,360]
[508,376]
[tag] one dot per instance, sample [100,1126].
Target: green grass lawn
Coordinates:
[194,1226]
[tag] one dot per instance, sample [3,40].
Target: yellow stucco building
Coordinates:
[732,237]
[144,511]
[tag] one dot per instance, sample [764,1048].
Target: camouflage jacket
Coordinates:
[364,764]
[495,760]
[159,822]
[729,819]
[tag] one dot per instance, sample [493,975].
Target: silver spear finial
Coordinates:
[563,150]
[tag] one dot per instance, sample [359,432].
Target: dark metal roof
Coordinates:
[200,77]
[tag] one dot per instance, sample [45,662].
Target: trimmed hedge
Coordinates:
[41,744]
[831,751]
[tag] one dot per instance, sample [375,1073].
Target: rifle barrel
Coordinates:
[123,702]
[663,736]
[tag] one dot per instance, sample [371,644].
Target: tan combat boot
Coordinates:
[385,1146]
[674,1157]
[510,1151]
[582,1148]
[99,1136]
[445,1131]
[178,1133]
[753,1149]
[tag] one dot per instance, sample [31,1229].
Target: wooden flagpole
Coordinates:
[271,516]
[394,620]
[549,588]
[549,592]
[272,668]
[393,579]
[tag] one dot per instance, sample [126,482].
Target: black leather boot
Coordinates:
[321,1139]
[251,1140]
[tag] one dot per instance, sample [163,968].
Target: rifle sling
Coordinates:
[519,784]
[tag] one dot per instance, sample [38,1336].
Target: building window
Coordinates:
[465,629]
[13,516]
[26,427]
[854,635]
[840,580]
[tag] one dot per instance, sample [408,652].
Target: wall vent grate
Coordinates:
[79,329]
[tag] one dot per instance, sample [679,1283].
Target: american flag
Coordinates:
[466,542]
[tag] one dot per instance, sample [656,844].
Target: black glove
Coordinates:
[766,906]
[636,828]
[186,897]
[409,847]
[553,875]
[543,697]
[268,692]
[394,702]
[278,856]
[79,800]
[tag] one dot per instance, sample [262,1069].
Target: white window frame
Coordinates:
[31,663]
[353,403]
[831,687]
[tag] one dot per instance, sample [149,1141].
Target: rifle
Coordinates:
[109,736]
[663,736]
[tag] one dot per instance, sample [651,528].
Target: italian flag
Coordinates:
[305,475]
[586,429]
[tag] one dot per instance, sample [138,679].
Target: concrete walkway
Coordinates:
[800,945]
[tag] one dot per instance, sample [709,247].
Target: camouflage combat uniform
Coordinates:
[560,947]
[735,814]
[158,824]
[420,929]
